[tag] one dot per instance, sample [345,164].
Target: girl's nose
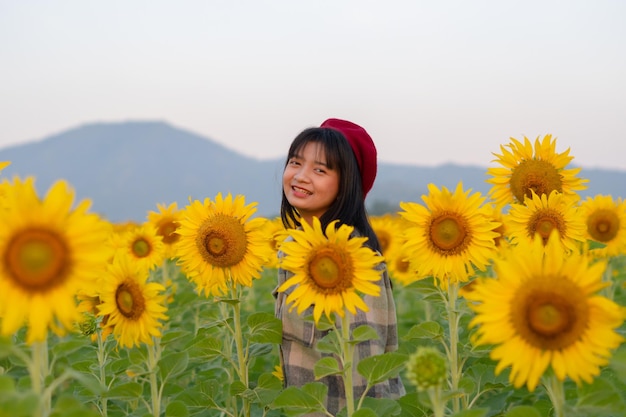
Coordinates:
[300,176]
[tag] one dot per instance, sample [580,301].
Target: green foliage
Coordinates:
[197,366]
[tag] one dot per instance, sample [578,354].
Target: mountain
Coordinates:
[126,168]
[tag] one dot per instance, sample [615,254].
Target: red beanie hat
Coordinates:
[363,147]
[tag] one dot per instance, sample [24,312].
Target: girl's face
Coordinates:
[309,185]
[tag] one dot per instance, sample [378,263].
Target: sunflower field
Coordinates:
[510,304]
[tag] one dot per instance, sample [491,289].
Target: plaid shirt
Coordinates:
[298,354]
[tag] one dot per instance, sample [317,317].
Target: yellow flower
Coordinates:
[219,243]
[166,222]
[142,244]
[546,213]
[330,270]
[449,236]
[540,169]
[131,306]
[541,310]
[48,252]
[606,223]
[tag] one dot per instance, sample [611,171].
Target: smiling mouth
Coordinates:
[301,190]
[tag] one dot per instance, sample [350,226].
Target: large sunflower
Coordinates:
[131,306]
[330,270]
[542,214]
[606,223]
[449,236]
[166,222]
[220,242]
[48,253]
[542,310]
[540,169]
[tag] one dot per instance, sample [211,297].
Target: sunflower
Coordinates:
[131,306]
[388,232]
[142,244]
[525,169]
[49,252]
[606,223]
[542,214]
[220,242]
[449,236]
[541,310]
[330,269]
[166,221]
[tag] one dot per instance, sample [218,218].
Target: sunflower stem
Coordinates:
[241,357]
[154,353]
[438,404]
[348,356]
[556,392]
[38,374]
[453,357]
[102,358]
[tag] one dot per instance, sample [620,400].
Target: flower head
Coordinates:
[166,222]
[542,310]
[330,269]
[526,168]
[131,305]
[427,368]
[49,252]
[450,235]
[543,214]
[605,219]
[219,242]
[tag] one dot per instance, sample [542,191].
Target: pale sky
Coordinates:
[432,81]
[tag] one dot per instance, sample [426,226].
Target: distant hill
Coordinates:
[126,168]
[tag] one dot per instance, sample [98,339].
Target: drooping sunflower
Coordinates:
[543,310]
[131,306]
[331,270]
[219,242]
[388,231]
[606,223]
[48,252]
[451,235]
[540,169]
[166,222]
[142,244]
[542,214]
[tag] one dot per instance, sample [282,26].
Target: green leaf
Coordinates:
[329,344]
[382,406]
[267,389]
[307,399]
[363,334]
[523,411]
[6,384]
[172,336]
[473,412]
[602,394]
[237,388]
[125,391]
[326,366]
[265,328]
[173,364]
[365,412]
[425,330]
[176,409]
[65,347]
[379,368]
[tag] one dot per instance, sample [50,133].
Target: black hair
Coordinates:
[349,206]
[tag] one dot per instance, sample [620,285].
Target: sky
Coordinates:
[433,82]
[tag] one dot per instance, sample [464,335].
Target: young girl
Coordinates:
[329,171]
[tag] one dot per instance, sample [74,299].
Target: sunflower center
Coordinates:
[141,248]
[129,300]
[448,233]
[222,241]
[535,175]
[543,222]
[167,230]
[603,225]
[37,259]
[330,270]
[550,313]
[402,265]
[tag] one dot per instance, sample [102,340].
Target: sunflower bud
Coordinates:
[88,326]
[427,368]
